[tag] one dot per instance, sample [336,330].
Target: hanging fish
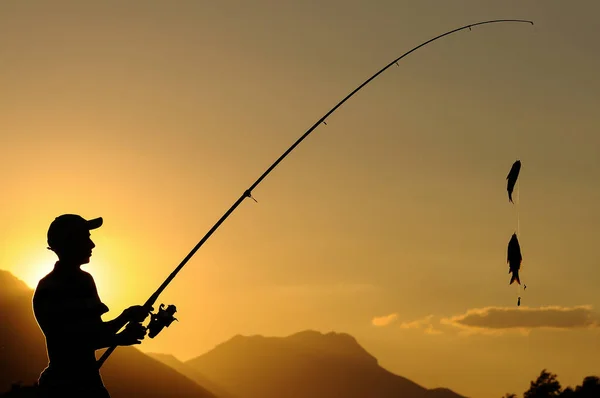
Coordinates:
[514,259]
[512,176]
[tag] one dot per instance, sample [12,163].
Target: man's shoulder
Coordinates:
[55,282]
[46,289]
[87,280]
[49,281]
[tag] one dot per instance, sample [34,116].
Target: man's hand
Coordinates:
[134,333]
[136,313]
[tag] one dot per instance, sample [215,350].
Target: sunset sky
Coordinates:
[391,223]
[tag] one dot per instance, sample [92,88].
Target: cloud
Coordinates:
[423,323]
[494,320]
[384,320]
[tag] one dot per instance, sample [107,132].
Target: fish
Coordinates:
[514,259]
[512,176]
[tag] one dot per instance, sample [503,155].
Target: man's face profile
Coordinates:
[77,247]
[80,247]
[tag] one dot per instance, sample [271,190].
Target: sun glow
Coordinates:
[34,267]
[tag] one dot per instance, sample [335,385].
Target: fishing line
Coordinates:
[518,213]
[518,208]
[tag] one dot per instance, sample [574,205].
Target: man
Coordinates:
[69,312]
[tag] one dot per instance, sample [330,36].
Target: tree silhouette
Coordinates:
[589,388]
[568,393]
[546,386]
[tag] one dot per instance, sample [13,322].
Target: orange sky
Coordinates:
[157,116]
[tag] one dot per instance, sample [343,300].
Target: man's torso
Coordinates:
[67,308]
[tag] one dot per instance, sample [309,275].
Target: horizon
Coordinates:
[390,223]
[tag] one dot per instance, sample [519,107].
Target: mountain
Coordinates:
[127,373]
[305,364]
[191,373]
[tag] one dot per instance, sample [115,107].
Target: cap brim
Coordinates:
[94,223]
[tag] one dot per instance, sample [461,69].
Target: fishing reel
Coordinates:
[163,318]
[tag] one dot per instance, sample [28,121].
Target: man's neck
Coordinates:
[67,265]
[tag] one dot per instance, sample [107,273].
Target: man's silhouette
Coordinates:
[68,310]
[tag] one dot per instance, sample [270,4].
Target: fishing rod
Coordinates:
[165,317]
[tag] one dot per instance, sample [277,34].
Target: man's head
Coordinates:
[69,237]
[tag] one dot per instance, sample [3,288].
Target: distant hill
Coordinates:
[192,373]
[127,373]
[305,364]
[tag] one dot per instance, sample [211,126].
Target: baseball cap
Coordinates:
[67,225]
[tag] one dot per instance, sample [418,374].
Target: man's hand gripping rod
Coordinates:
[248,193]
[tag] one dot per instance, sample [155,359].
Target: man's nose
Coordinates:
[92,244]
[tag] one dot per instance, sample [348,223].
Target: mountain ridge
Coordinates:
[296,363]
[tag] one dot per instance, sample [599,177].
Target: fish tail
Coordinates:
[515,277]
[510,197]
